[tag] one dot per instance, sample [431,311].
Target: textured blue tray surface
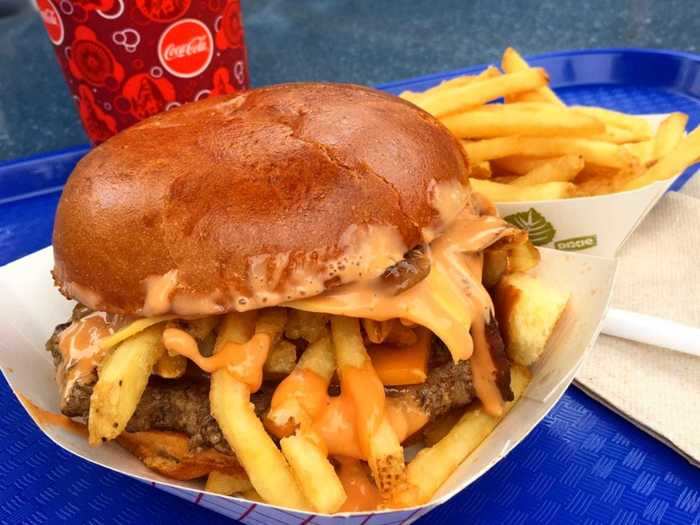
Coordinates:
[582,464]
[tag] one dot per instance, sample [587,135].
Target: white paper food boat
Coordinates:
[32,307]
[598,225]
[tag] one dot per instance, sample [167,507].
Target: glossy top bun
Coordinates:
[253,199]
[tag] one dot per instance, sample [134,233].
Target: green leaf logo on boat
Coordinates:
[538,228]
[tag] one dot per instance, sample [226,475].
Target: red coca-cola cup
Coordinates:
[126,60]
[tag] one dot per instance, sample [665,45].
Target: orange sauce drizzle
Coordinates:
[363,387]
[336,427]
[302,386]
[336,424]
[362,493]
[44,417]
[449,301]
[405,419]
[484,371]
[244,360]
[159,289]
[79,347]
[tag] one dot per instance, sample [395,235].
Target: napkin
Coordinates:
[658,274]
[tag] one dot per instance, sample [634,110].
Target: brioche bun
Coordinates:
[252,199]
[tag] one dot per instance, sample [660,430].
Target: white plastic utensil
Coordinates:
[652,331]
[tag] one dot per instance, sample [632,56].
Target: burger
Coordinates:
[282,289]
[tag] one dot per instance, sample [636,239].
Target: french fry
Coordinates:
[170,366]
[303,393]
[591,171]
[377,331]
[309,326]
[498,192]
[413,96]
[320,358]
[122,380]
[533,107]
[252,495]
[463,80]
[644,151]
[357,481]
[685,154]
[314,473]
[202,327]
[594,180]
[296,401]
[618,135]
[489,72]
[454,100]
[513,62]
[236,328]
[522,256]
[433,465]
[271,321]
[400,335]
[637,125]
[227,483]
[595,152]
[360,382]
[563,169]
[519,145]
[265,465]
[518,164]
[495,265]
[131,330]
[250,360]
[669,134]
[350,351]
[281,360]
[434,431]
[510,119]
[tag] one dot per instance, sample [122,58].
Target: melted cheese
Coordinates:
[449,301]
[132,329]
[336,424]
[159,289]
[45,418]
[243,360]
[362,493]
[80,349]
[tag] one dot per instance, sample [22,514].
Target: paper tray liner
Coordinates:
[33,307]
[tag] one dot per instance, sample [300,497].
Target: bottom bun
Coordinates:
[168,454]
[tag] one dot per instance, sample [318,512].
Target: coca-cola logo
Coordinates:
[186,48]
[52,21]
[198,44]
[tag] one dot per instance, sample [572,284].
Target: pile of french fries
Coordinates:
[525,144]
[296,471]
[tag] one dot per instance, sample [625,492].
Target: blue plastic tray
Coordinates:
[582,464]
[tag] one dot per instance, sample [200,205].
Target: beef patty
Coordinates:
[182,405]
